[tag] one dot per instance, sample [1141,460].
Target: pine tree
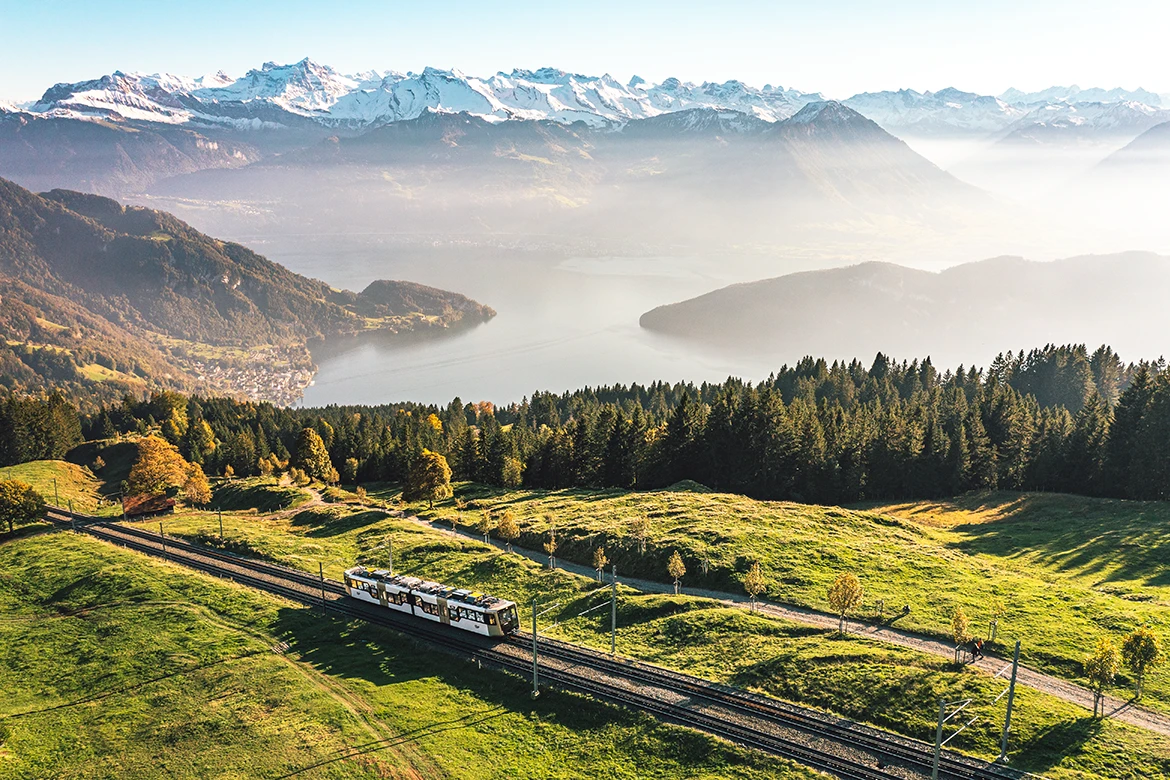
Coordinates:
[1125,433]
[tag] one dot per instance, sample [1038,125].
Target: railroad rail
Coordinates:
[837,746]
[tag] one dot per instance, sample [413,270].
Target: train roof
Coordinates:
[473,598]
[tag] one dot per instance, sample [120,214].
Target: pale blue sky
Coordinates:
[837,46]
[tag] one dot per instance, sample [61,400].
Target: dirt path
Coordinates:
[1126,711]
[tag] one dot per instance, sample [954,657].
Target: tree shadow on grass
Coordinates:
[1123,540]
[1048,747]
[355,650]
[324,524]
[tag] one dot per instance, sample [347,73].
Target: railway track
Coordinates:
[839,747]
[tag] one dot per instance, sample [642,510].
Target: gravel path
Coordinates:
[1126,711]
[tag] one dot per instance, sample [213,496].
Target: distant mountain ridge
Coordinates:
[176,305]
[668,178]
[275,96]
[961,315]
[307,89]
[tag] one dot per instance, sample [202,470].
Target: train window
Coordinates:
[491,619]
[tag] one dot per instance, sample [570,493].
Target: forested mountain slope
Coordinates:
[90,284]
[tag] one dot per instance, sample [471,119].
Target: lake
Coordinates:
[562,322]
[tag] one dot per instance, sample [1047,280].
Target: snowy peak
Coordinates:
[1076,94]
[1076,122]
[303,87]
[276,95]
[948,110]
[828,112]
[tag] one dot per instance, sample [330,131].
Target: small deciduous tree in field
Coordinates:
[550,548]
[1141,652]
[229,472]
[196,489]
[599,561]
[1101,669]
[960,626]
[676,569]
[485,524]
[508,528]
[640,531]
[429,478]
[158,468]
[844,596]
[753,583]
[19,503]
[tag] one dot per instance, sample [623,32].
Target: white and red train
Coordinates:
[458,608]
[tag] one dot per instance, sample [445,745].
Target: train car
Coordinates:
[466,610]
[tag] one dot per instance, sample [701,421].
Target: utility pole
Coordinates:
[535,666]
[613,613]
[942,711]
[1007,719]
[321,574]
[56,497]
[219,512]
[390,553]
[162,539]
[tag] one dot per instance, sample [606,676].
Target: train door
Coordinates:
[382,593]
[444,613]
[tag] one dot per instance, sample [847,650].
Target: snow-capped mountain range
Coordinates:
[275,96]
[317,92]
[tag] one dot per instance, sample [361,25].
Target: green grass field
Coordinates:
[73,483]
[116,665]
[890,687]
[1067,570]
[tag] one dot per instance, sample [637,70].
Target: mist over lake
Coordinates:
[562,322]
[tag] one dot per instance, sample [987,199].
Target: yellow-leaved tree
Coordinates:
[196,489]
[429,478]
[508,528]
[1101,669]
[159,468]
[844,596]
[753,583]
[676,569]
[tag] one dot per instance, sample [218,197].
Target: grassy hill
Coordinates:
[1066,570]
[128,667]
[888,686]
[913,552]
[98,294]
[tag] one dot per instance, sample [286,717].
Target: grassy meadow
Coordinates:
[1065,570]
[117,665]
[890,687]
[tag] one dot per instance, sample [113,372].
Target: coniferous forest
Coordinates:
[1054,419]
